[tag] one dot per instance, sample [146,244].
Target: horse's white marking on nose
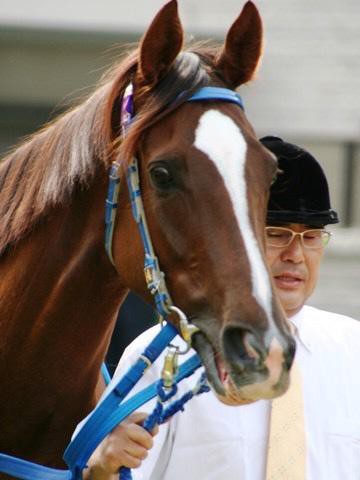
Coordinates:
[221,140]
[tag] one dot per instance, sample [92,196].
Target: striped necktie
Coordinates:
[286,452]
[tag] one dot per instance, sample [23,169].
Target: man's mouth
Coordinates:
[288,281]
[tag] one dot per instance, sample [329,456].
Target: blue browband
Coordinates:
[218,94]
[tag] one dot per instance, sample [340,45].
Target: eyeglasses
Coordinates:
[282,237]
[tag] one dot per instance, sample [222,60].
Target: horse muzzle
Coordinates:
[246,366]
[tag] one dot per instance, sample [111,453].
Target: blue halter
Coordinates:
[203,94]
[153,275]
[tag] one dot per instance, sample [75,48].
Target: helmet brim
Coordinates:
[316,219]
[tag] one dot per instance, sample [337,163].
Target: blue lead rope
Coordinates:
[102,420]
[111,411]
[25,470]
[161,415]
[75,455]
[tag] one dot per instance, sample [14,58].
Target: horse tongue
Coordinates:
[222,372]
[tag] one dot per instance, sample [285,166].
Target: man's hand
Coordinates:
[126,446]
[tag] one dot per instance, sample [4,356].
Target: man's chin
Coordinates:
[291,301]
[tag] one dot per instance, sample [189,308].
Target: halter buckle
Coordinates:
[153,274]
[171,367]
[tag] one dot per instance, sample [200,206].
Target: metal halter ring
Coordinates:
[187,330]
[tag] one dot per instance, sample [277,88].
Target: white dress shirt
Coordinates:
[212,441]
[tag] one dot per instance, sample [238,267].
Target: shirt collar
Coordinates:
[299,322]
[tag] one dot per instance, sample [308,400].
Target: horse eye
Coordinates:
[161,177]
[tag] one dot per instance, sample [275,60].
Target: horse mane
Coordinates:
[65,154]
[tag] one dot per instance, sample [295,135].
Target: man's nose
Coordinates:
[294,252]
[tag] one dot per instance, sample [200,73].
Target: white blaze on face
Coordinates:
[221,140]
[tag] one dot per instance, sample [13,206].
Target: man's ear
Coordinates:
[160,45]
[240,55]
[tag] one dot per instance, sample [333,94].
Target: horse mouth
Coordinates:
[211,359]
[226,388]
[217,372]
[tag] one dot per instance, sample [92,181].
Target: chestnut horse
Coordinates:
[204,181]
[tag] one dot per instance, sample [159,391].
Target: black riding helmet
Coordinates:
[300,193]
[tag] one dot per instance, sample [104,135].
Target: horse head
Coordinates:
[204,181]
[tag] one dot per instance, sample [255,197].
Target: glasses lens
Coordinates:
[315,238]
[277,236]
[325,237]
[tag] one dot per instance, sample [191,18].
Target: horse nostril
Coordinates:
[254,348]
[242,348]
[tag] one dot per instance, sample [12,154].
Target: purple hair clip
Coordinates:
[127,108]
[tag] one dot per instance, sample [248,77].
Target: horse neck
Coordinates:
[61,298]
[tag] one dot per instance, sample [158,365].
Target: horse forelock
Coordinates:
[190,71]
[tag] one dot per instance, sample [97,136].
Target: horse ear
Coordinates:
[160,45]
[241,53]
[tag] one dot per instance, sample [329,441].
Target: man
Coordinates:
[212,441]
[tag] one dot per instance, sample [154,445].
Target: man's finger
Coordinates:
[139,435]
